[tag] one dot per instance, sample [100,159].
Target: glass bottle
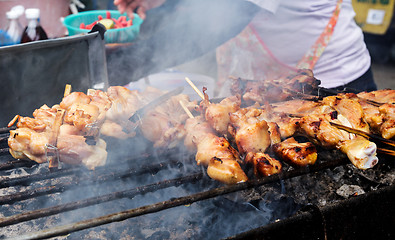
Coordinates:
[14,29]
[33,30]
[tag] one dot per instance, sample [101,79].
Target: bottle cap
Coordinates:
[12,15]
[19,9]
[32,13]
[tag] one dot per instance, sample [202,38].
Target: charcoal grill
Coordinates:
[138,193]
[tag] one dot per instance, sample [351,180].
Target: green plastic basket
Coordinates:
[119,35]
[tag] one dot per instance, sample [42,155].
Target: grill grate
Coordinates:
[57,183]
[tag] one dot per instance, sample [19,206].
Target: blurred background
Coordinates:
[376,18]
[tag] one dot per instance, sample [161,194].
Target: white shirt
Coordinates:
[290,27]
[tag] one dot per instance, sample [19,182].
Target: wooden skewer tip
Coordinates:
[67,90]
[201,95]
[190,115]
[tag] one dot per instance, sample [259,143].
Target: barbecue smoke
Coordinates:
[175,33]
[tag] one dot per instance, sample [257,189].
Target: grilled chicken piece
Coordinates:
[74,141]
[74,149]
[253,137]
[26,143]
[42,120]
[221,159]
[263,164]
[287,126]
[124,104]
[86,112]
[361,152]
[380,96]
[385,120]
[196,130]
[250,133]
[213,146]
[32,142]
[295,106]
[264,91]
[274,132]
[350,109]
[319,130]
[160,129]
[275,90]
[295,153]
[164,125]
[257,114]
[226,171]
[387,129]
[372,116]
[217,114]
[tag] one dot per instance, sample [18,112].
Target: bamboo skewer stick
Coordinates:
[201,95]
[67,90]
[51,149]
[190,115]
[53,157]
[313,97]
[13,121]
[386,151]
[364,134]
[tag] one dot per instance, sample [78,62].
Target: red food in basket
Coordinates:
[121,22]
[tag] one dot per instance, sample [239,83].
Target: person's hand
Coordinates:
[141,6]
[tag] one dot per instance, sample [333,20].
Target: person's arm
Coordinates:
[189,30]
[138,6]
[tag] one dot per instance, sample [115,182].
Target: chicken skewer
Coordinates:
[364,134]
[215,153]
[314,123]
[360,151]
[47,135]
[220,158]
[253,138]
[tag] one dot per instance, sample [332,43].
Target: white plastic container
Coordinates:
[169,80]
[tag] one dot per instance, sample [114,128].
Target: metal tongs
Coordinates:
[162,99]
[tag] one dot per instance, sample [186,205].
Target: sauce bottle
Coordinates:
[33,30]
[14,29]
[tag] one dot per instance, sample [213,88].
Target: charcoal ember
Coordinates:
[347,191]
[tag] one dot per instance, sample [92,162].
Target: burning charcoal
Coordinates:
[347,191]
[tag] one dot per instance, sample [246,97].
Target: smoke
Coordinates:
[175,33]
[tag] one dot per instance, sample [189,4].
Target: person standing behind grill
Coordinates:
[284,35]
[317,34]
